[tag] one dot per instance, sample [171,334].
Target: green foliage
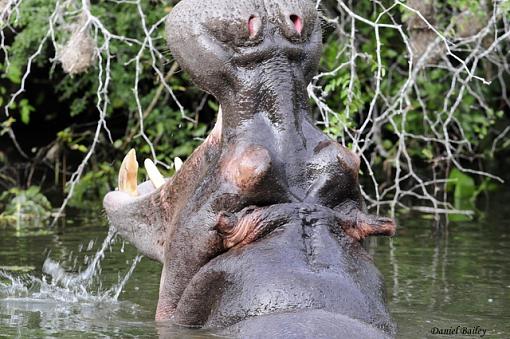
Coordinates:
[337,91]
[465,191]
[473,6]
[24,110]
[170,134]
[74,142]
[464,187]
[24,208]
[348,91]
[95,183]
[475,120]
[6,125]
[31,26]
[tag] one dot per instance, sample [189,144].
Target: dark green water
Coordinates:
[459,277]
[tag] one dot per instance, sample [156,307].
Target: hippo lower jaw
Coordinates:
[121,211]
[125,208]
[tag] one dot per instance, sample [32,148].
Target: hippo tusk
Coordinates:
[128,174]
[178,164]
[154,175]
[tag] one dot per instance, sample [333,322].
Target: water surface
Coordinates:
[456,277]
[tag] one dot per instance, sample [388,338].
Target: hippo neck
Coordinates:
[278,100]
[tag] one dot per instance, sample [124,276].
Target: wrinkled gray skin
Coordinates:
[259,232]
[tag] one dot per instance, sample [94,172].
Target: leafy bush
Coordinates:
[25,208]
[418,117]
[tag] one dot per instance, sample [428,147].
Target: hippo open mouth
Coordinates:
[265,181]
[147,234]
[129,198]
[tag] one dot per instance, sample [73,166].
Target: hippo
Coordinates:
[260,232]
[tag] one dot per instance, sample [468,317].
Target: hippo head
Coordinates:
[251,55]
[259,53]
[264,167]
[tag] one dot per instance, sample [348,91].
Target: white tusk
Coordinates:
[128,174]
[154,175]
[177,164]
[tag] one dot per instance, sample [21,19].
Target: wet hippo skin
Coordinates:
[263,223]
[305,265]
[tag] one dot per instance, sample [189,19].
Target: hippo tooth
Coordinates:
[128,174]
[178,164]
[152,171]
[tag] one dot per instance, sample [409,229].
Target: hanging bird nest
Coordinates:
[420,34]
[79,53]
[4,10]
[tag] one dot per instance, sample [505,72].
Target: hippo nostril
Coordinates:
[298,22]
[254,25]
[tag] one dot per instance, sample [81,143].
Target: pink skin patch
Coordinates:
[253,26]
[298,22]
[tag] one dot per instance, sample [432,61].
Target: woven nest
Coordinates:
[420,42]
[79,53]
[3,7]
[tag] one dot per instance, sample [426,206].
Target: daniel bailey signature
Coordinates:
[460,330]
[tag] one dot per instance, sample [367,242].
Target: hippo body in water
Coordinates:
[259,232]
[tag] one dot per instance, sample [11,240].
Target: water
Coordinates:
[459,277]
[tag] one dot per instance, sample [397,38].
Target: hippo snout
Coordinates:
[208,38]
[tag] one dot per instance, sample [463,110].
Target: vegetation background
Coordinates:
[417,88]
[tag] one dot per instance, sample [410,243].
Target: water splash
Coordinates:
[84,278]
[120,286]
[68,286]
[82,290]
[78,309]
[15,287]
